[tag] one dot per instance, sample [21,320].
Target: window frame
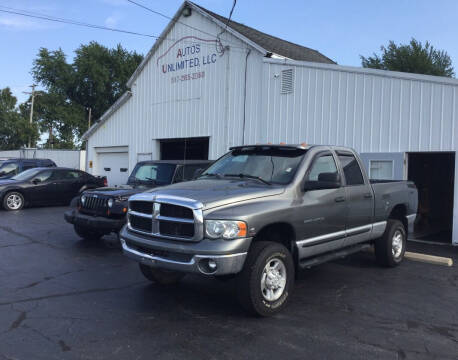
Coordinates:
[317,156]
[382,160]
[347,153]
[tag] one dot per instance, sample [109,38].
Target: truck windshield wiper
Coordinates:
[250,177]
[217,175]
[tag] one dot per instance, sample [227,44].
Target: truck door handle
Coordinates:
[339,199]
[368,196]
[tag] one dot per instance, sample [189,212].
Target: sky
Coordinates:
[341,30]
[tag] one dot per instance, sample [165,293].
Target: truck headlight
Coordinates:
[110,203]
[83,199]
[225,229]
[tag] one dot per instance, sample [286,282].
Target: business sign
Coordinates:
[189,61]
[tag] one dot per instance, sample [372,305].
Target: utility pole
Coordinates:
[89,117]
[32,94]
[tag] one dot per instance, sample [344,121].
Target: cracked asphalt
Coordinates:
[65,298]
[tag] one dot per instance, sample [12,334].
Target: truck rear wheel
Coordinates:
[390,248]
[161,277]
[87,234]
[267,278]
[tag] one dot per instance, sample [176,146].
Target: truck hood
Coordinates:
[218,192]
[123,190]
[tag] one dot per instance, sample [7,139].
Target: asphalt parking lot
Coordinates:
[66,298]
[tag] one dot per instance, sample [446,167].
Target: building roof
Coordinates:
[271,43]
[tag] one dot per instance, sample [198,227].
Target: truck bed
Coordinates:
[387,192]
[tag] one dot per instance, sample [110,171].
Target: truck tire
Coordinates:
[161,277]
[87,234]
[13,201]
[267,279]
[390,248]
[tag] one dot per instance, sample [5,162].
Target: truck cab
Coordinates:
[261,212]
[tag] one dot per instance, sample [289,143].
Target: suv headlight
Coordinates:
[110,203]
[225,229]
[83,199]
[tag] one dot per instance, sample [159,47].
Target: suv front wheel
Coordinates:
[267,278]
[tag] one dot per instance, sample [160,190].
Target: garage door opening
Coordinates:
[184,149]
[434,176]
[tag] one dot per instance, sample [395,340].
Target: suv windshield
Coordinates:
[159,174]
[268,164]
[8,169]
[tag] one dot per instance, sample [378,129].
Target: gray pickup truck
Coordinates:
[262,212]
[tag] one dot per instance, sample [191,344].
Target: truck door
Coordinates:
[322,214]
[360,199]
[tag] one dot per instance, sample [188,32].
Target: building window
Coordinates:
[381,169]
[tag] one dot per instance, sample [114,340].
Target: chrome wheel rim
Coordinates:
[273,279]
[13,202]
[396,244]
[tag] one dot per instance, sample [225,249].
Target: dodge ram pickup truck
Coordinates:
[260,213]
[100,211]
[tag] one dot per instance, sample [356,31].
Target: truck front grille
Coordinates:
[176,211]
[165,220]
[143,207]
[95,205]
[176,229]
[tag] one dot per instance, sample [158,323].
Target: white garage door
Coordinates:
[115,166]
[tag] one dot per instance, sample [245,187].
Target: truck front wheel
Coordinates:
[390,248]
[161,277]
[267,278]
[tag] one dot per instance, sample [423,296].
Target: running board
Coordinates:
[308,263]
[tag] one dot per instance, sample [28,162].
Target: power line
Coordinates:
[176,21]
[225,27]
[46,17]
[73,22]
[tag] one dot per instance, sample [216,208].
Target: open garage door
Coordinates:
[434,175]
[113,165]
[184,149]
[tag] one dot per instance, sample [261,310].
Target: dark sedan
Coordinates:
[46,186]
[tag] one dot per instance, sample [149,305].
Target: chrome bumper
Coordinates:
[225,264]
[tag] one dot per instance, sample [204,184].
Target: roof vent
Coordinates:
[287,81]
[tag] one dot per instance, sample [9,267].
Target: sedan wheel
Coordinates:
[13,201]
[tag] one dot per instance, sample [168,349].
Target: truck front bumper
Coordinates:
[208,257]
[94,222]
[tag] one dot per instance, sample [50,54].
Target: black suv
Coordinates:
[101,211]
[12,167]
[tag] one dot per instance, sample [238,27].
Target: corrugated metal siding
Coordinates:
[369,111]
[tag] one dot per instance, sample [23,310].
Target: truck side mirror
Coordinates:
[197,173]
[325,181]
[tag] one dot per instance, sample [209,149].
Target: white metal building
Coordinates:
[205,87]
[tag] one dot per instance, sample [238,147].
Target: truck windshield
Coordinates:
[158,174]
[268,164]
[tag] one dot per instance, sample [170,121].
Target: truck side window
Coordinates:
[322,164]
[351,169]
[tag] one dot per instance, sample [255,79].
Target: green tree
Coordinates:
[15,129]
[95,79]
[413,58]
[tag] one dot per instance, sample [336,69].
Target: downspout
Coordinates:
[244,97]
